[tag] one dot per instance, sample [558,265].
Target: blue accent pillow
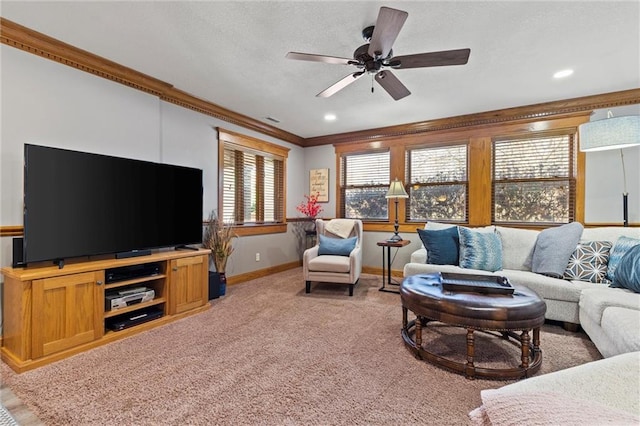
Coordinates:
[622,246]
[480,250]
[442,245]
[628,271]
[336,246]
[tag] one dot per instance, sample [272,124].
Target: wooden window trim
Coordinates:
[260,147]
[479,139]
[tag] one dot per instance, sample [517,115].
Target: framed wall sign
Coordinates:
[319,183]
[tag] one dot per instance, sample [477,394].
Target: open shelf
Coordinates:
[115,312]
[134,281]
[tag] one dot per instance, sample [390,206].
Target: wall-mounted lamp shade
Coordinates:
[396,190]
[610,133]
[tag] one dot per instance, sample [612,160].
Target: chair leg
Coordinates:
[351,289]
[308,287]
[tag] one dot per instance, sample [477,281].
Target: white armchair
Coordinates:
[330,268]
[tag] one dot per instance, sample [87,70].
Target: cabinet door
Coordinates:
[189,277]
[67,312]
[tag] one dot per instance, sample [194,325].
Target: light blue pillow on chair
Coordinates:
[336,246]
[480,250]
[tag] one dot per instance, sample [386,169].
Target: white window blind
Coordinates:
[252,187]
[364,182]
[534,180]
[437,183]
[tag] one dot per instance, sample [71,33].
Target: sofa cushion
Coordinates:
[549,287]
[627,273]
[480,250]
[589,262]
[609,233]
[517,247]
[621,325]
[554,247]
[621,246]
[336,246]
[594,301]
[442,245]
[329,263]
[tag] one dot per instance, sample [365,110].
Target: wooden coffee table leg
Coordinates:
[470,370]
[525,341]
[418,332]
[404,318]
[536,339]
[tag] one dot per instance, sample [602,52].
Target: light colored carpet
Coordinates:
[269,354]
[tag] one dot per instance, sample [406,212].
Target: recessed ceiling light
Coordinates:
[330,117]
[563,73]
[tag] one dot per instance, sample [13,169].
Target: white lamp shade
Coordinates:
[396,190]
[610,133]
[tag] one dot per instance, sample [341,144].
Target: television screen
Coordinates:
[81,204]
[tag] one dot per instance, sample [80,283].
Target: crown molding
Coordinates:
[20,37]
[529,112]
[31,41]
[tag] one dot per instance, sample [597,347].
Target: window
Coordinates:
[437,183]
[364,182]
[253,180]
[534,180]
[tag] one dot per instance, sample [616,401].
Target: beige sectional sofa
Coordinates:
[598,392]
[610,316]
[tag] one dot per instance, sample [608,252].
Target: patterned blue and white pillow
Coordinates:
[622,245]
[480,250]
[589,262]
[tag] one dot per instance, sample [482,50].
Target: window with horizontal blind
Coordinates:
[253,180]
[534,180]
[364,182]
[437,183]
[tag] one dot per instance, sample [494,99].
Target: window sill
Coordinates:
[260,229]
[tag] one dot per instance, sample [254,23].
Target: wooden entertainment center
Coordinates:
[51,313]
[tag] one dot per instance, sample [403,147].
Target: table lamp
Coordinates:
[612,133]
[396,190]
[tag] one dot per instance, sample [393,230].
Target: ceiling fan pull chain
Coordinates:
[371,83]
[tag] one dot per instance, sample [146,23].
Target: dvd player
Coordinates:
[131,319]
[131,272]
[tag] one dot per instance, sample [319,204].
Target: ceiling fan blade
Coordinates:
[388,25]
[340,84]
[432,59]
[320,58]
[392,85]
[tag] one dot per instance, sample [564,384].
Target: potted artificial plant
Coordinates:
[217,238]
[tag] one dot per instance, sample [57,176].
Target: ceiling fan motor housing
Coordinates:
[371,65]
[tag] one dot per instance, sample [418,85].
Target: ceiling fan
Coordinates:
[376,57]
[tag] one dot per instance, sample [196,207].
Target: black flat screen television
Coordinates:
[79,204]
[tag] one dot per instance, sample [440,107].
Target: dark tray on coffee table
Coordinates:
[489,284]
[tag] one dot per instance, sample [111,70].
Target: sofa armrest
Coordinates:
[419,256]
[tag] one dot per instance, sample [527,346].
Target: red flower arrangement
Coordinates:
[310,208]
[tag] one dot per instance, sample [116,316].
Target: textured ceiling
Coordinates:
[233,53]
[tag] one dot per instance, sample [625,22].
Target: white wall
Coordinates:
[604,180]
[47,103]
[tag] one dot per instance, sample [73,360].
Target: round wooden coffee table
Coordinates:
[500,314]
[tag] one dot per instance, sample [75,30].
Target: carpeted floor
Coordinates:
[269,354]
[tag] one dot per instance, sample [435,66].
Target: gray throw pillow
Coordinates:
[553,249]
